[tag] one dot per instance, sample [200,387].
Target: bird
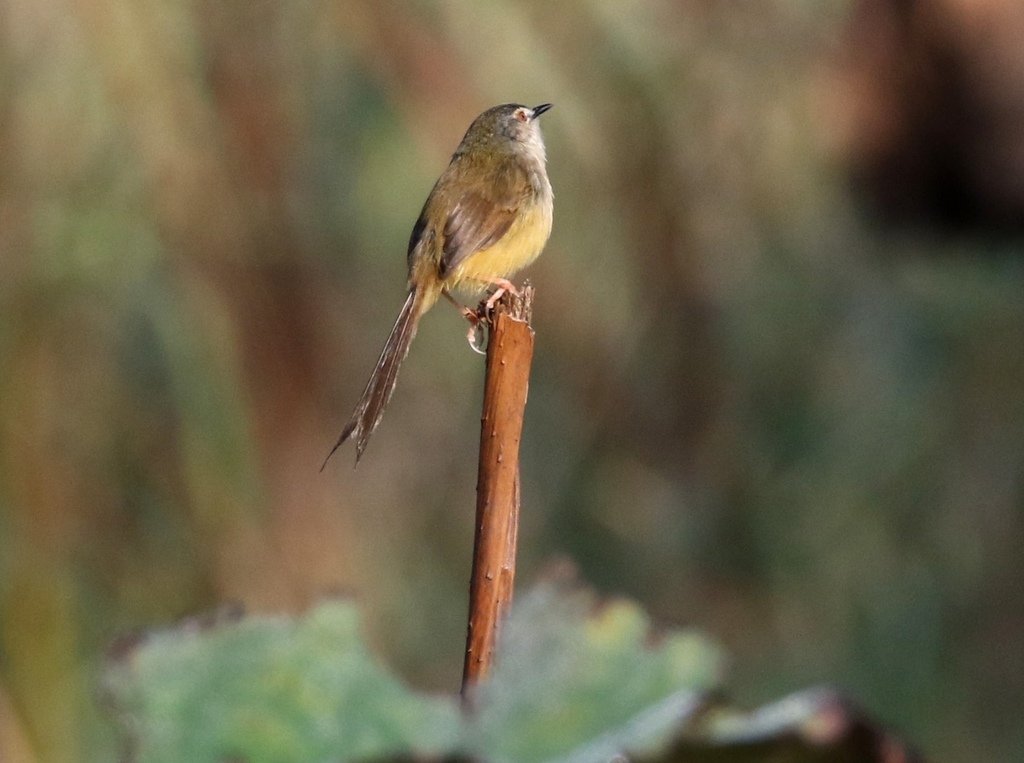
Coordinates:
[488,216]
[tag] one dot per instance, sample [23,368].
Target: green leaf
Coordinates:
[271,689]
[577,682]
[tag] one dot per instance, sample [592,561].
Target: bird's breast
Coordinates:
[521,244]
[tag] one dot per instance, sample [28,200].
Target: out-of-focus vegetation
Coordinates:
[575,683]
[757,406]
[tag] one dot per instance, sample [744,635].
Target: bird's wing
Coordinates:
[479,218]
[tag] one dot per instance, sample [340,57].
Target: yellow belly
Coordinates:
[520,246]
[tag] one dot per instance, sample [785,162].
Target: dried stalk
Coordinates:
[509,354]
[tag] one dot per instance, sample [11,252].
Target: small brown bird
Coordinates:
[487,217]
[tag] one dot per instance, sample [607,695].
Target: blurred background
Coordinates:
[778,394]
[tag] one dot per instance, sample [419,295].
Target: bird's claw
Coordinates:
[477,337]
[485,310]
[504,287]
[480,318]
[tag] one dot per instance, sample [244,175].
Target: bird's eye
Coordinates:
[521,115]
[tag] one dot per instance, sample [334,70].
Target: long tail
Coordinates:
[370,408]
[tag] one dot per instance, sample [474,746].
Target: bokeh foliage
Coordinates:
[575,682]
[754,408]
[280,689]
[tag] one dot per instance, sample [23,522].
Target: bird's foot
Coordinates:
[477,334]
[504,286]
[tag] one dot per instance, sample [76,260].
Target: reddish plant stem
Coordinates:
[509,355]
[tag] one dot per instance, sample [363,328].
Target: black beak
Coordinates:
[538,110]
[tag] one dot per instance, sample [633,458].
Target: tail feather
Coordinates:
[375,397]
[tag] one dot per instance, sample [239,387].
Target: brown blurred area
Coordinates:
[758,406]
[934,123]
